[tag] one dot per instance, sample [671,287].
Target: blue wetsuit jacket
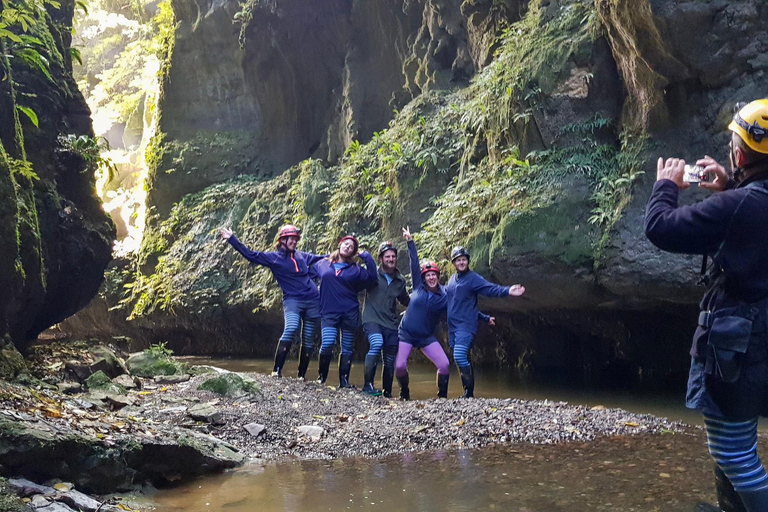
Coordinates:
[425,308]
[463,289]
[339,288]
[291,269]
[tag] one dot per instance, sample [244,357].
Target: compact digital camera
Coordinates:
[694,174]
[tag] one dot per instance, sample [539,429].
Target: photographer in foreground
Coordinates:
[728,380]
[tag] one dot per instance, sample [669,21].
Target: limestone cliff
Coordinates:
[56,240]
[526,131]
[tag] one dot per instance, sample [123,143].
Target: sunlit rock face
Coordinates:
[56,239]
[543,188]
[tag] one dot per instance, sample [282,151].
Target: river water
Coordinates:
[670,472]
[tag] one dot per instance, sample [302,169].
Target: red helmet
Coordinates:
[350,237]
[289,230]
[429,266]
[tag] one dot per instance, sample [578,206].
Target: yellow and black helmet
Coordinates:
[751,124]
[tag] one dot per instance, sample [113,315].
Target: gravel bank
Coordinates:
[354,424]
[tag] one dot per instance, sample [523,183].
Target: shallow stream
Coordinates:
[670,472]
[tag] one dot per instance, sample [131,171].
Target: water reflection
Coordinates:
[644,473]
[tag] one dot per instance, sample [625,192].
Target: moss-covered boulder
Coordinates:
[147,364]
[99,381]
[231,385]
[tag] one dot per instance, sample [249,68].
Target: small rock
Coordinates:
[79,501]
[79,370]
[255,429]
[206,413]
[63,486]
[311,431]
[598,408]
[171,379]
[39,501]
[69,387]
[119,401]
[26,488]
[127,381]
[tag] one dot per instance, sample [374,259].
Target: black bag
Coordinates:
[728,342]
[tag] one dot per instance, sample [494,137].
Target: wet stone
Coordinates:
[127,381]
[255,429]
[119,401]
[26,488]
[206,413]
[79,501]
[171,379]
[311,431]
[69,387]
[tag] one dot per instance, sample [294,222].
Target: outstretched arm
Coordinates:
[483,287]
[490,320]
[255,257]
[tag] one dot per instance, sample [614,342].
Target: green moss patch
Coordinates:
[230,384]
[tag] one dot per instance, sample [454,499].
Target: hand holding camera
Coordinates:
[707,173]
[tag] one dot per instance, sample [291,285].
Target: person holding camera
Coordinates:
[380,320]
[728,377]
[301,301]
[341,279]
[463,288]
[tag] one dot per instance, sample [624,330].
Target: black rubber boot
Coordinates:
[345,365]
[727,497]
[304,357]
[442,385]
[325,363]
[387,376]
[405,393]
[370,374]
[755,501]
[280,356]
[468,381]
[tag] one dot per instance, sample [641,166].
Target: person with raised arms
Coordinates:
[341,279]
[463,289]
[301,300]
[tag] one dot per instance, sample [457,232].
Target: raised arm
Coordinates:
[371,274]
[255,257]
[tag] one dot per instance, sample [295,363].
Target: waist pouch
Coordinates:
[729,331]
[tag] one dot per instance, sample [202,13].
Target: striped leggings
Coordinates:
[329,335]
[291,329]
[733,445]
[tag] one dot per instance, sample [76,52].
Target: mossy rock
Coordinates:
[9,501]
[11,363]
[100,381]
[231,385]
[149,365]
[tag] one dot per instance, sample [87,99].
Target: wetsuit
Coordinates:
[340,284]
[728,378]
[301,300]
[380,320]
[417,329]
[463,289]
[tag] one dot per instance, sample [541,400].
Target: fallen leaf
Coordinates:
[316,416]
[631,424]
[145,393]
[461,422]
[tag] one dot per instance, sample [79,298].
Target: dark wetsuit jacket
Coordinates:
[463,289]
[380,306]
[339,289]
[732,228]
[291,269]
[425,308]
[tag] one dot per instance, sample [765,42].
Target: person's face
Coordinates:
[388,261]
[461,263]
[347,248]
[432,280]
[290,242]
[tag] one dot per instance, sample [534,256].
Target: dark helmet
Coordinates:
[459,251]
[386,246]
[350,237]
[429,266]
[289,230]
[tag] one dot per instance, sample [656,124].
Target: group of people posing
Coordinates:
[337,309]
